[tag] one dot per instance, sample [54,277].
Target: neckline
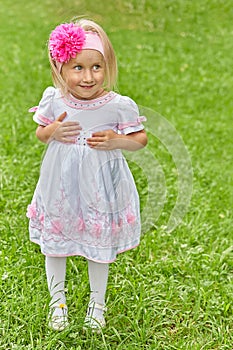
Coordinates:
[73,102]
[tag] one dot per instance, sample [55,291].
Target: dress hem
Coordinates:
[84,256]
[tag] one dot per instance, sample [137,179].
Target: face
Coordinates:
[84,74]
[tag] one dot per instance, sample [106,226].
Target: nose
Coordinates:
[87,76]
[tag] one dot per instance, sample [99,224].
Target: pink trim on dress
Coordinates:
[86,104]
[122,126]
[33,109]
[44,119]
[85,256]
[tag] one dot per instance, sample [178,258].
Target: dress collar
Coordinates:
[73,102]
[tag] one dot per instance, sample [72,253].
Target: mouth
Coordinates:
[87,87]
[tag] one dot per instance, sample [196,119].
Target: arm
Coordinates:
[110,140]
[65,132]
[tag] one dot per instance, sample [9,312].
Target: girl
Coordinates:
[85,202]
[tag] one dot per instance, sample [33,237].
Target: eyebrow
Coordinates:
[95,63]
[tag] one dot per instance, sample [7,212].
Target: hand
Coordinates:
[104,140]
[109,140]
[65,132]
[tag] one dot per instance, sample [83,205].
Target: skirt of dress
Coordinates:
[85,203]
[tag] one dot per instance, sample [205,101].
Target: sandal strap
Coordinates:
[93,305]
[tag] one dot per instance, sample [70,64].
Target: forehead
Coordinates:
[88,56]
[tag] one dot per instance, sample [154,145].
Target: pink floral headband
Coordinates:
[68,39]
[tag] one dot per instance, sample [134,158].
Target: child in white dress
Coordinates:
[85,202]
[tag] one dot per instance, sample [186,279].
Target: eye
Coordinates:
[78,67]
[96,67]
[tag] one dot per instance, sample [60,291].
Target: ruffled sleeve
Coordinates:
[129,119]
[44,114]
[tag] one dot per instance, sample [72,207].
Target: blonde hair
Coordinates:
[111,70]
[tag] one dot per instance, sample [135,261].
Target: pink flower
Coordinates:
[65,41]
[97,229]
[81,224]
[56,227]
[31,211]
[130,218]
[113,225]
[41,218]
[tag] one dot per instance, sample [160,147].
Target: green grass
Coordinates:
[175,291]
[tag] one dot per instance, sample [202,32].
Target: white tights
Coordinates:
[56,274]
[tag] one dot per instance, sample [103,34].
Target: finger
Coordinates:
[96,140]
[68,139]
[61,117]
[70,126]
[99,134]
[93,144]
[99,146]
[70,134]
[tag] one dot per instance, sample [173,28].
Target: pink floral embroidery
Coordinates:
[31,211]
[41,218]
[56,227]
[114,227]
[81,224]
[130,218]
[97,230]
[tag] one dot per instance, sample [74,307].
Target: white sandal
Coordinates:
[58,323]
[94,323]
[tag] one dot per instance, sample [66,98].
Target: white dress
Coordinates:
[85,202]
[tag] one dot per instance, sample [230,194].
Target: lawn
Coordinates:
[175,291]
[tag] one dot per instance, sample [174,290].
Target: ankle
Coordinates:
[58,317]
[96,310]
[58,309]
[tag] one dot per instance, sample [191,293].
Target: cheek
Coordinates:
[101,78]
[71,79]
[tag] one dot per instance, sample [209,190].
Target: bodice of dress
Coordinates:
[111,111]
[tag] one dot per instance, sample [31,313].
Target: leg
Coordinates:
[98,278]
[56,271]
